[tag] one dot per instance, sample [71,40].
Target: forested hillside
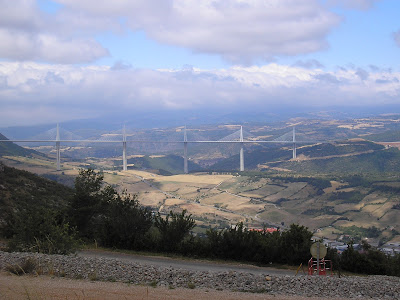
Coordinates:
[382,161]
[169,164]
[20,189]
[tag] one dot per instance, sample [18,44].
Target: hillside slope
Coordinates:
[21,188]
[281,157]
[382,161]
[8,148]
[169,164]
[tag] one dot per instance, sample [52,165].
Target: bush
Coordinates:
[173,229]
[42,230]
[125,223]
[239,243]
[369,261]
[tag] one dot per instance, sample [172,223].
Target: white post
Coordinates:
[58,149]
[124,160]
[294,143]
[241,150]
[185,154]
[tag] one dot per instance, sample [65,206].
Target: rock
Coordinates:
[107,269]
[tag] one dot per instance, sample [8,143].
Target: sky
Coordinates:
[75,59]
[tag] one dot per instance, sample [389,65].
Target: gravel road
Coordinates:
[189,264]
[167,274]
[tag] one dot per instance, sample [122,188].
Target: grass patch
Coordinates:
[153,284]
[26,267]
[191,285]
[93,276]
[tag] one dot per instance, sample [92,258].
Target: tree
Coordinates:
[173,229]
[87,202]
[125,222]
[296,243]
[99,212]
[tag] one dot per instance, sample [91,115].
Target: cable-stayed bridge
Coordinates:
[58,135]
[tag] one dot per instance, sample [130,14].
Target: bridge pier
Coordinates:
[185,159]
[185,153]
[294,143]
[241,150]
[124,159]
[58,156]
[58,150]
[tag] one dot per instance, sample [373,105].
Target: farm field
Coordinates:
[222,200]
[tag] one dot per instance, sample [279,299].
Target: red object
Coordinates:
[324,266]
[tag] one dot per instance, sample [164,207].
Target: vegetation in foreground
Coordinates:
[98,212]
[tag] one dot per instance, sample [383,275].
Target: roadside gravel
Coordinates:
[110,269]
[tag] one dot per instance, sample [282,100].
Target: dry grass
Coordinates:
[44,287]
[198,179]
[142,174]
[26,267]
[174,201]
[151,198]
[199,210]
[31,161]
[228,201]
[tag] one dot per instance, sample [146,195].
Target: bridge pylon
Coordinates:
[58,150]
[185,153]
[241,150]
[124,159]
[294,143]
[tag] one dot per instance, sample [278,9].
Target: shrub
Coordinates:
[26,267]
[125,223]
[42,230]
[173,229]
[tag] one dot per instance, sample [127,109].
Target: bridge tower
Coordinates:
[185,153]
[58,148]
[124,160]
[294,143]
[241,150]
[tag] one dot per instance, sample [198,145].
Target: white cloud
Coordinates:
[19,45]
[32,89]
[28,34]
[241,31]
[20,14]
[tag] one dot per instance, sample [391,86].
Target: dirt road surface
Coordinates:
[187,264]
[14,287]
